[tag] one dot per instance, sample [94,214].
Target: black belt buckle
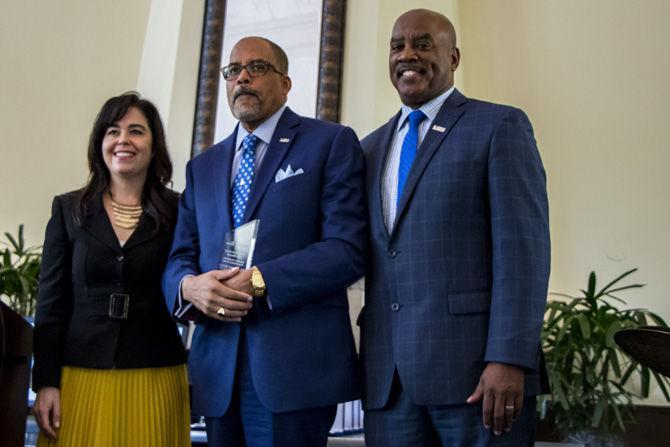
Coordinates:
[118,306]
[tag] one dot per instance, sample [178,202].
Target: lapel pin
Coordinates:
[439,128]
[284,140]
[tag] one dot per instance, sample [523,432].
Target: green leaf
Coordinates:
[619,289]
[563,295]
[662,381]
[644,382]
[614,361]
[613,328]
[564,329]
[559,393]
[629,372]
[657,319]
[19,272]
[552,313]
[598,413]
[592,285]
[584,326]
[615,298]
[619,419]
[12,241]
[616,280]
[640,318]
[21,241]
[25,286]
[576,302]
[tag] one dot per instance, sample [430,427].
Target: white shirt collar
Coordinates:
[263,132]
[430,108]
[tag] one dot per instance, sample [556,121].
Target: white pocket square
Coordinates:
[289,172]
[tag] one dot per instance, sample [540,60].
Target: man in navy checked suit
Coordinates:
[457,277]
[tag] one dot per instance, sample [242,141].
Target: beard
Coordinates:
[246,105]
[247,112]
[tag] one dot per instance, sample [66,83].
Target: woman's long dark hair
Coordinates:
[155,194]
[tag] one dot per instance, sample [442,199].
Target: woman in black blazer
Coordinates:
[109,363]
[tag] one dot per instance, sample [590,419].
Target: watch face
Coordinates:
[257,283]
[257,279]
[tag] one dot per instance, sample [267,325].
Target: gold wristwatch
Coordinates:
[257,283]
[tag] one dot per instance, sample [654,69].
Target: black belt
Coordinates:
[117,306]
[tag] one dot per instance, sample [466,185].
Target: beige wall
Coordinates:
[59,62]
[169,73]
[593,78]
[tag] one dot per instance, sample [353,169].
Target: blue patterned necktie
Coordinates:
[244,177]
[408,151]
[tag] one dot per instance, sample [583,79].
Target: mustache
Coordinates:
[244,91]
[405,66]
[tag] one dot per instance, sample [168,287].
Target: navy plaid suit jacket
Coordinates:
[462,278]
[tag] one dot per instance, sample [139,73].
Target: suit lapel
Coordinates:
[378,163]
[146,230]
[97,224]
[448,115]
[282,139]
[220,175]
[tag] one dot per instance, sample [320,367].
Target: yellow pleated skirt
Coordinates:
[146,407]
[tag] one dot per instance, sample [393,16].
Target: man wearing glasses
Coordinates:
[273,352]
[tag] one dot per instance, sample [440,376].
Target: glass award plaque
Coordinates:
[238,246]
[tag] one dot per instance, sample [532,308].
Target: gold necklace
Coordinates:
[126,216]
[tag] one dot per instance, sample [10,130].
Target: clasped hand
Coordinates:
[228,289]
[500,389]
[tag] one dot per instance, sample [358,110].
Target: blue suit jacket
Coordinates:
[462,278]
[310,247]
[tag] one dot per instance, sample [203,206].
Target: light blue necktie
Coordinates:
[408,151]
[243,179]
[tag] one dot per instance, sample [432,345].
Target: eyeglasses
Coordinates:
[255,69]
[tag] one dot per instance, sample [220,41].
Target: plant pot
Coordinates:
[590,438]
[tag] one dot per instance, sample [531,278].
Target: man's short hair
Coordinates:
[279,54]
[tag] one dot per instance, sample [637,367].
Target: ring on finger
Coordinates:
[221,312]
[509,407]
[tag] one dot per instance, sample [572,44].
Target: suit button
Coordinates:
[392,253]
[395,307]
[119,258]
[118,283]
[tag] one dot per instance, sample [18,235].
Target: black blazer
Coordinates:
[82,266]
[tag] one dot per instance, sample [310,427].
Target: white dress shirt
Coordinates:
[390,174]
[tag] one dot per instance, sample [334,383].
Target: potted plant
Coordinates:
[590,375]
[19,273]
